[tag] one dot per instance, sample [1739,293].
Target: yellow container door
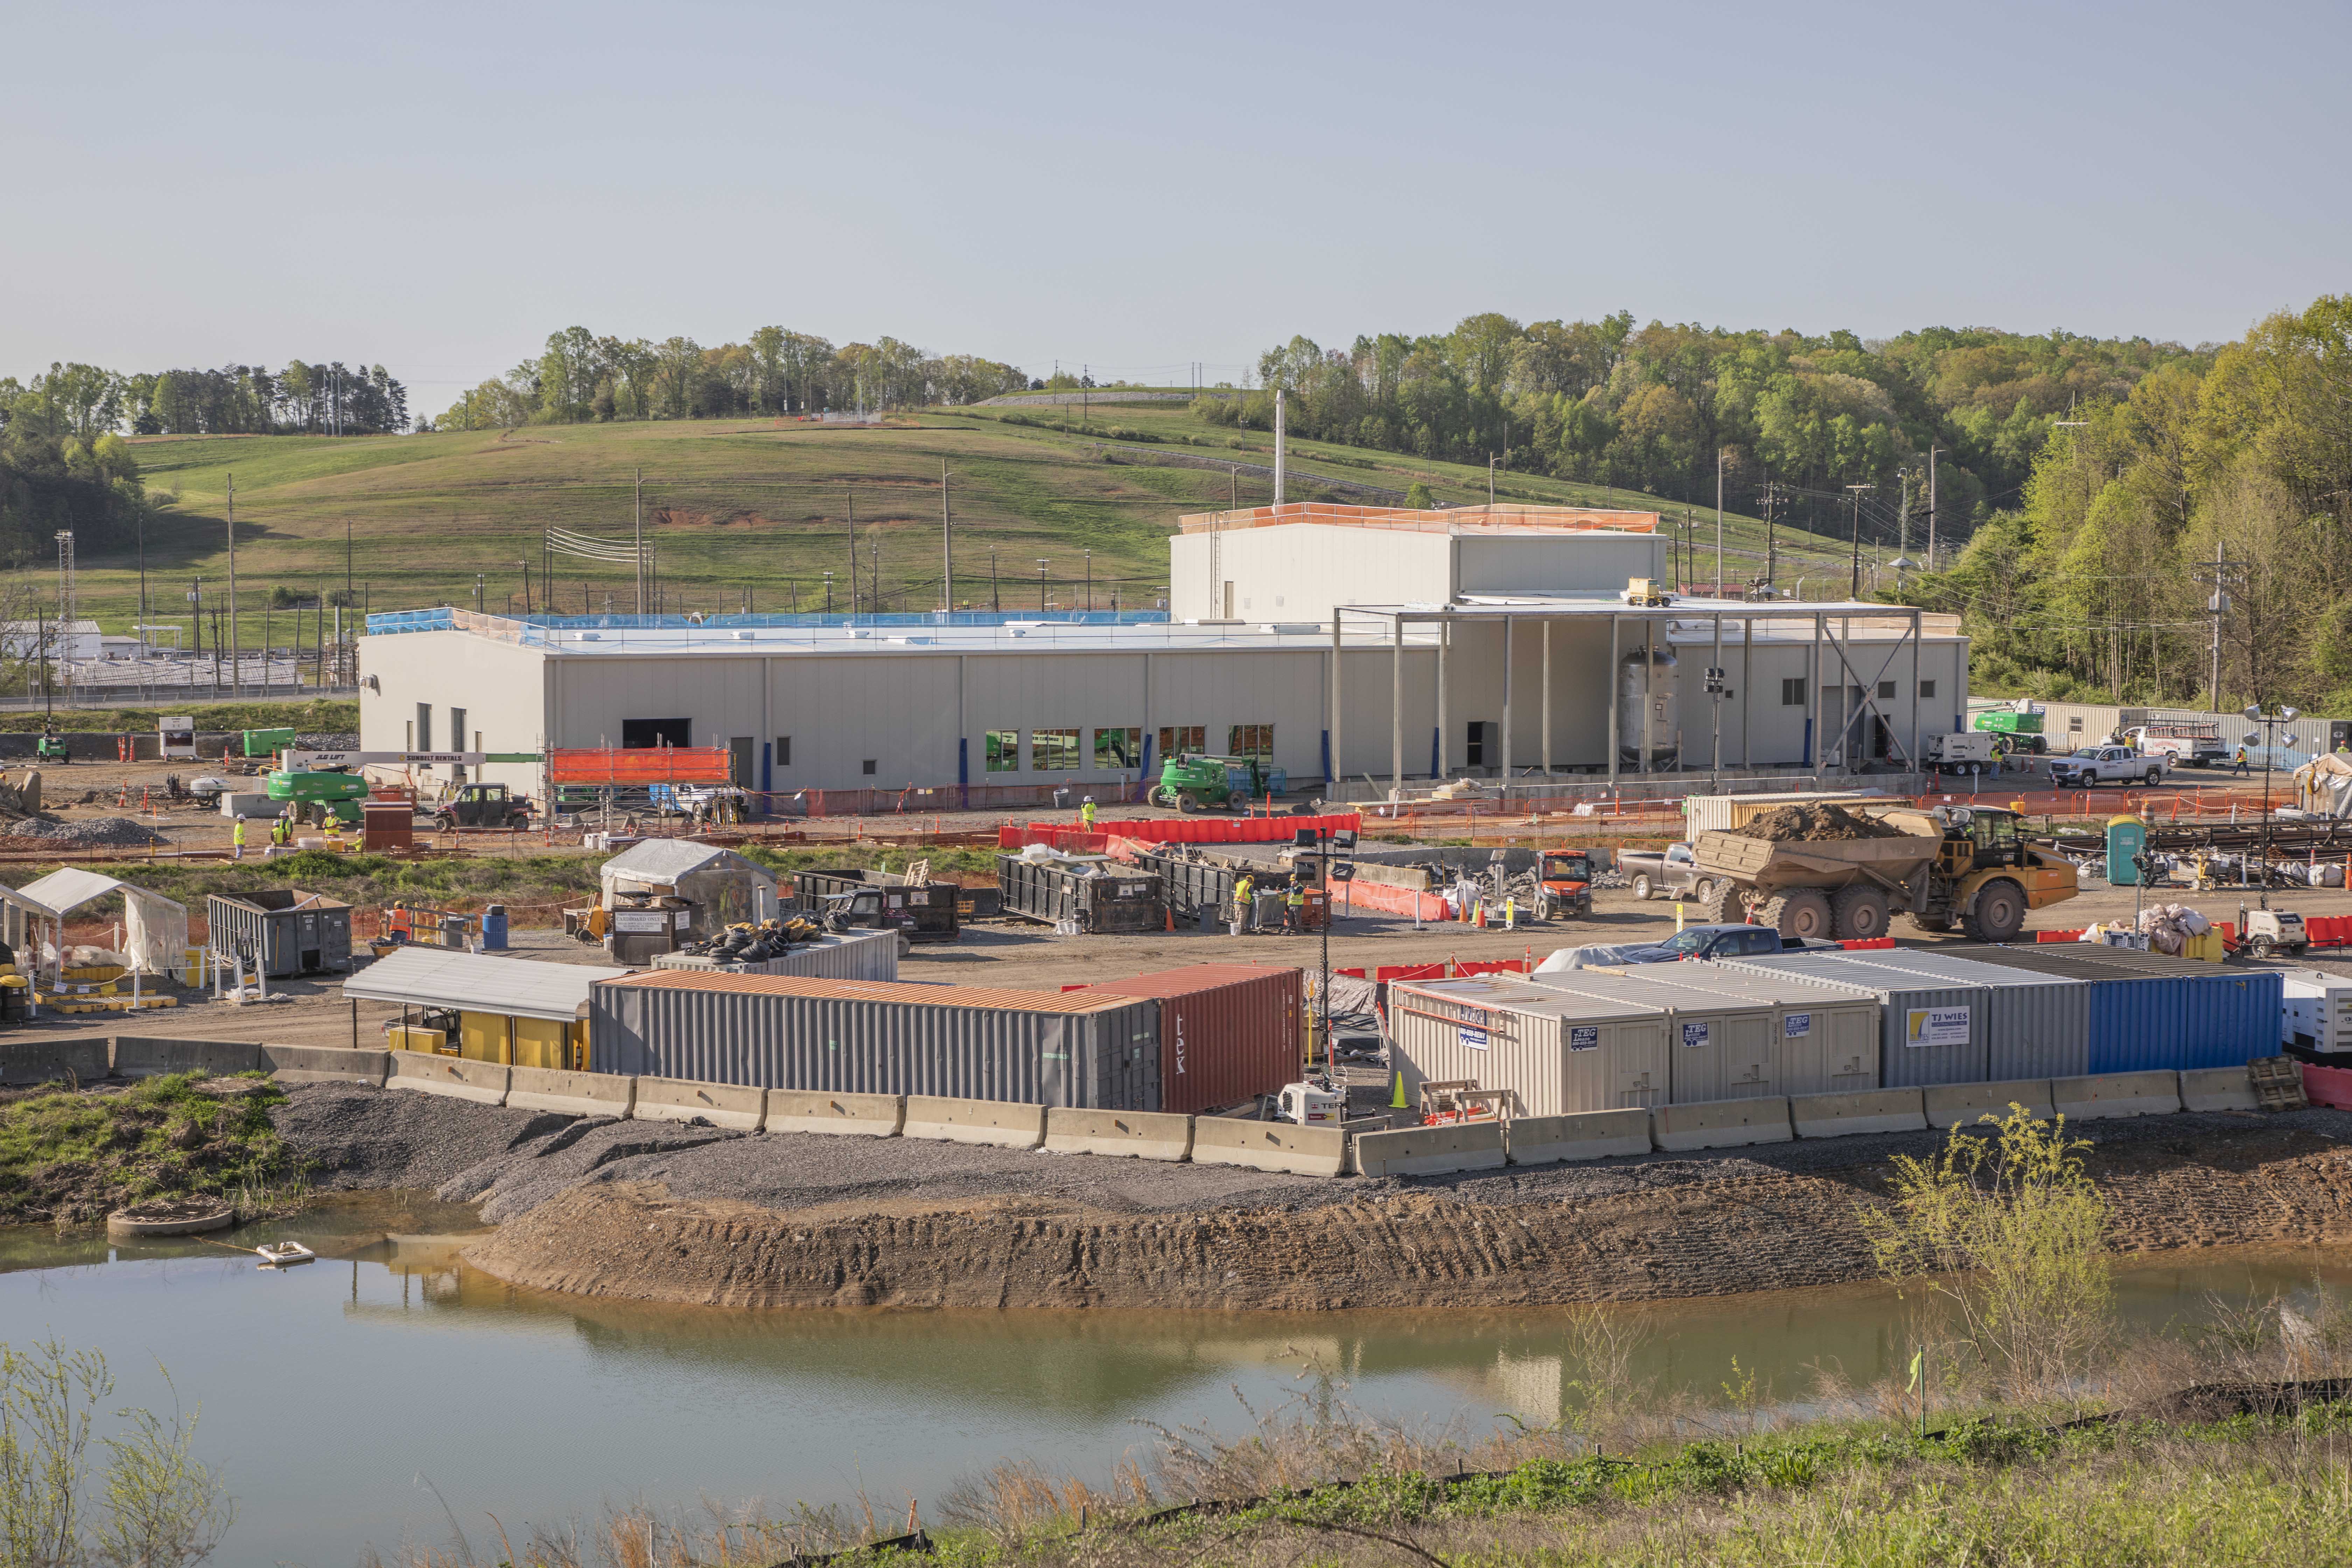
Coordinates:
[542,1043]
[482,1036]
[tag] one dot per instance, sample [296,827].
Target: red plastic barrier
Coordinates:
[1179,831]
[2075,935]
[2328,1086]
[1867,943]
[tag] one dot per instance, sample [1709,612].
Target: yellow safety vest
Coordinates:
[237,835]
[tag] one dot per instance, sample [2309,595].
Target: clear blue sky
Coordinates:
[436,188]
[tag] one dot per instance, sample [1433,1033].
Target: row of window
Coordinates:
[1793,691]
[1115,748]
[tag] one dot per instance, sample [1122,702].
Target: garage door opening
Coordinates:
[656,731]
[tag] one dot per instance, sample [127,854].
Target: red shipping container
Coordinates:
[1228,1032]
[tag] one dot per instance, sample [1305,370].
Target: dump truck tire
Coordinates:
[1998,913]
[1801,912]
[1714,905]
[1859,912]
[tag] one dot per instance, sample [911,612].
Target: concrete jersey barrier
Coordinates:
[572,1094]
[739,1106]
[1720,1124]
[992,1123]
[2110,1095]
[326,1064]
[2218,1089]
[53,1061]
[1861,1110]
[1282,1146]
[432,1073]
[143,1056]
[1431,1151]
[1580,1135]
[859,1115]
[1142,1134]
[1951,1105]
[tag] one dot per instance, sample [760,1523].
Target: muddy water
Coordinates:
[380,1393]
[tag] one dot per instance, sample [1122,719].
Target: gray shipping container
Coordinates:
[1724,1047]
[1829,1041]
[966,1042]
[1554,1052]
[2037,1025]
[281,930]
[1932,1033]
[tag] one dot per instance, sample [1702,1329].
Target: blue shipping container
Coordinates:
[2199,1015]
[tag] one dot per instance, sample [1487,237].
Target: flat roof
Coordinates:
[476,983]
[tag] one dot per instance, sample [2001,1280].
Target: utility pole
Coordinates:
[1931,506]
[236,675]
[1043,562]
[1772,537]
[849,507]
[1490,481]
[1090,580]
[641,542]
[1280,450]
[995,600]
[1854,589]
[947,545]
[1719,526]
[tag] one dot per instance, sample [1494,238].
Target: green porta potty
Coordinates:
[2126,837]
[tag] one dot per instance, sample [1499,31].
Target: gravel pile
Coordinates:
[97,832]
[339,740]
[363,1137]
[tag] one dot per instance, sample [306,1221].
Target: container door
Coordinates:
[1696,1041]
[1852,1052]
[1639,1073]
[1751,1059]
[1803,1033]
[1057,1083]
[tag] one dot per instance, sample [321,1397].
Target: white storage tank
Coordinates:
[1555,1052]
[1725,1047]
[1649,707]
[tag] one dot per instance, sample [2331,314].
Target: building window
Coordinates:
[869,767]
[784,751]
[1118,749]
[1250,741]
[1927,688]
[2074,725]
[1003,751]
[1793,691]
[1887,691]
[1177,739]
[1055,751]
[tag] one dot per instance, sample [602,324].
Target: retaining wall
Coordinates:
[572,1094]
[326,1064]
[1580,1135]
[2218,1089]
[2109,1095]
[1143,1134]
[485,1082]
[1721,1124]
[143,1056]
[994,1123]
[1863,1111]
[739,1105]
[1270,1146]
[1953,1105]
[859,1115]
[1431,1151]
[53,1061]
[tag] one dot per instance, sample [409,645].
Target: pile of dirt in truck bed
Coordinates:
[1816,821]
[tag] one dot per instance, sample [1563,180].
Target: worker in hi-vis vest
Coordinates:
[237,839]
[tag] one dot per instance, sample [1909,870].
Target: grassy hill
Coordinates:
[742,510]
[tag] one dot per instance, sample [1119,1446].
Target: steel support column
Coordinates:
[1614,750]
[1716,696]
[1396,711]
[1747,703]
[1339,757]
[1505,774]
[1546,696]
[1445,744]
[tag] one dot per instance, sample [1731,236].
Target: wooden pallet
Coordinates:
[2278,1083]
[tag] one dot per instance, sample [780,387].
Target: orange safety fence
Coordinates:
[639,766]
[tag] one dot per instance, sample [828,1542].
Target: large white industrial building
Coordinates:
[1388,643]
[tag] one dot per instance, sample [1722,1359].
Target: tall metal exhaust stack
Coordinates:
[1279,452]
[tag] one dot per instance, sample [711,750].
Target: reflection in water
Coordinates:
[412,1368]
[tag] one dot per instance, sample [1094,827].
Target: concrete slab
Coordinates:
[1950,1105]
[325,1064]
[856,1115]
[484,1082]
[1142,1134]
[1281,1146]
[995,1124]
[1580,1135]
[739,1106]
[1721,1124]
[572,1094]
[2109,1096]
[2218,1089]
[1860,1111]
[1431,1151]
[142,1055]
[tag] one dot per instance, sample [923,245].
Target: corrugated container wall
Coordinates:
[1724,1047]
[2151,1012]
[1554,1052]
[850,1037]
[1228,1032]
[1829,1040]
[1930,1034]
[2036,1026]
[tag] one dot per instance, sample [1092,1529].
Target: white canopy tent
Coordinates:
[154,928]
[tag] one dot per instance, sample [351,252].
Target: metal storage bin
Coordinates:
[1111,902]
[1725,1047]
[966,1042]
[1829,1042]
[1556,1052]
[281,930]
[1931,1033]
[2151,1012]
[2036,1025]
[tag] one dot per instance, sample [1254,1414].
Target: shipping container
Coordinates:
[1930,1032]
[1829,1041]
[835,955]
[1725,1047]
[1090,896]
[1720,812]
[1554,1052]
[845,1036]
[1228,1032]
[280,931]
[2152,1011]
[2036,1026]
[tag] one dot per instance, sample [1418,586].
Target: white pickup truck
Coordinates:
[2107,765]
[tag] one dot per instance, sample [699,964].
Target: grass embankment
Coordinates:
[319,716]
[70,1156]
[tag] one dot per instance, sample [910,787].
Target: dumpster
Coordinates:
[281,930]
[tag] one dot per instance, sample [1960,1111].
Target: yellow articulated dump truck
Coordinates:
[1818,872]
